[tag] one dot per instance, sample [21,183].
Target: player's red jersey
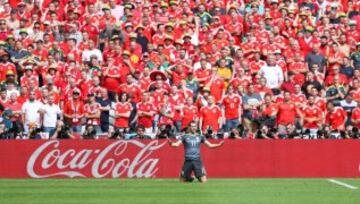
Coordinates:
[286,113]
[120,108]
[336,118]
[312,112]
[232,105]
[210,116]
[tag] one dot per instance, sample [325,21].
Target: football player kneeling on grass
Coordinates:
[193,162]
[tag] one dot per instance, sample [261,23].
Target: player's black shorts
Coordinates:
[190,166]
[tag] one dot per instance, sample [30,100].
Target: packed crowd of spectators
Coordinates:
[147,68]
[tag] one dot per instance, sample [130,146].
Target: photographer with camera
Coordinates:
[140,134]
[90,132]
[266,132]
[62,131]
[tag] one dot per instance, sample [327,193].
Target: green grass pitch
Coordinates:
[168,191]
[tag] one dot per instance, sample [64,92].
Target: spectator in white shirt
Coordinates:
[117,10]
[273,74]
[90,52]
[31,113]
[51,113]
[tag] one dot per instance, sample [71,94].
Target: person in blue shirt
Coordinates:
[192,162]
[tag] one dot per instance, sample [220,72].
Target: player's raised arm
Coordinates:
[211,145]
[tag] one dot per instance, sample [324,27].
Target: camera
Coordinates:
[90,132]
[166,131]
[64,132]
[119,133]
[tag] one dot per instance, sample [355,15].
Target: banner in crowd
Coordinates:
[156,159]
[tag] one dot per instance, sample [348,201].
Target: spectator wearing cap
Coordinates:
[74,112]
[29,76]
[10,78]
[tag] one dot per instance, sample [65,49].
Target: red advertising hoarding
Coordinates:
[156,159]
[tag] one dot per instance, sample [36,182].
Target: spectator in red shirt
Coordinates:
[145,113]
[312,117]
[92,112]
[122,113]
[336,117]
[74,112]
[231,109]
[210,117]
[286,113]
[189,113]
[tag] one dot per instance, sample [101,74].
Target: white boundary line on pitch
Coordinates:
[343,184]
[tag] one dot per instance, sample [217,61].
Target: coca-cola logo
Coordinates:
[50,160]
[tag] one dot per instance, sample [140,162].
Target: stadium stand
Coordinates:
[267,69]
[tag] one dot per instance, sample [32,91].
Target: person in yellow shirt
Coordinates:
[224,71]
